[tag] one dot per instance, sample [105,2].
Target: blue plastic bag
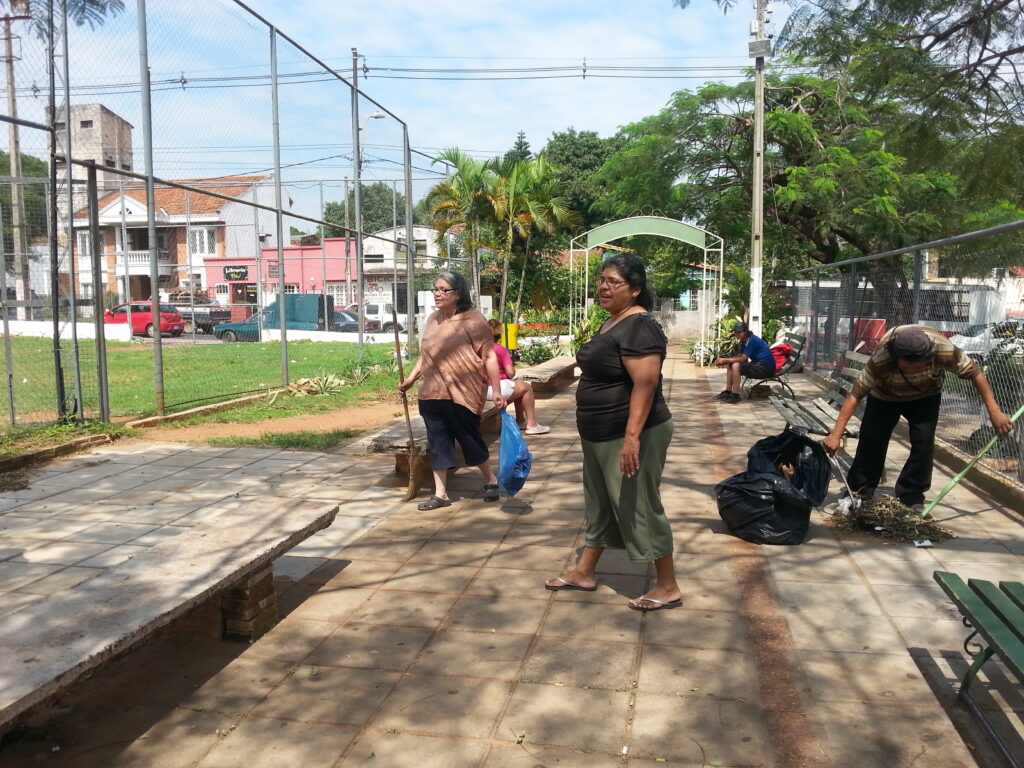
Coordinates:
[514,459]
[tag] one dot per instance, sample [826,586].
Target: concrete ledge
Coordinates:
[9,463]
[554,375]
[155,421]
[52,643]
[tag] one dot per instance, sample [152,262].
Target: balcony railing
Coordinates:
[138,262]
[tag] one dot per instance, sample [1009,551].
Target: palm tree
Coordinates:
[462,200]
[524,200]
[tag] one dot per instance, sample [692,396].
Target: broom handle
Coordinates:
[401,371]
[960,475]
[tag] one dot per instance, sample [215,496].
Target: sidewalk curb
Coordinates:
[45,454]
[156,421]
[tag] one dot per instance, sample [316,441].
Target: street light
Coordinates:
[366,122]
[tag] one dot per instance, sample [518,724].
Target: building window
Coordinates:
[373,258]
[83,242]
[60,126]
[85,124]
[291,288]
[222,289]
[420,245]
[203,241]
[110,164]
[126,166]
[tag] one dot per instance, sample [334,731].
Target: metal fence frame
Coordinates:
[62,256]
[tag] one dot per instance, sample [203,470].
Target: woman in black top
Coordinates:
[625,428]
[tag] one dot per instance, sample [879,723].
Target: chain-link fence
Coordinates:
[253,147]
[969,288]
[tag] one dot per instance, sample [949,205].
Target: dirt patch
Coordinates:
[364,417]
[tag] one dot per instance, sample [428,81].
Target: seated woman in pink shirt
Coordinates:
[518,392]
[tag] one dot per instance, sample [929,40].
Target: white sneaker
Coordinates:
[540,429]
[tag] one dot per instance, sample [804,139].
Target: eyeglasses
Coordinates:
[443,291]
[610,282]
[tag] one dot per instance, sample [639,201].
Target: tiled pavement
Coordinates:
[427,639]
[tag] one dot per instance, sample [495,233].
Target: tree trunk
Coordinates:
[504,278]
[522,280]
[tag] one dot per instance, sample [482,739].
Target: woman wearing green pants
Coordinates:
[625,428]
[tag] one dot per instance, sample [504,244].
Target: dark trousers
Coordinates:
[877,424]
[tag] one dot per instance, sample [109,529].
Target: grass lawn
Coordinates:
[193,374]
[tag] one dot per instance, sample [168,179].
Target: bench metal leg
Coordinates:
[965,696]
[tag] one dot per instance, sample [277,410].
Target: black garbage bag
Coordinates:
[764,507]
[797,449]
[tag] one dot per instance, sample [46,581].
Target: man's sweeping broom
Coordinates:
[417,461]
[960,475]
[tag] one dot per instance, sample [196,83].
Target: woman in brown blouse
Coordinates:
[456,363]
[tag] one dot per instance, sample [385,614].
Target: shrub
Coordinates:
[537,352]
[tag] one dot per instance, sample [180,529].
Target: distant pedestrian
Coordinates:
[625,428]
[456,362]
[754,361]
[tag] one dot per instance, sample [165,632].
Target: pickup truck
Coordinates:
[198,313]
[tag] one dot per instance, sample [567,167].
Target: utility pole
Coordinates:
[22,278]
[759,50]
[357,162]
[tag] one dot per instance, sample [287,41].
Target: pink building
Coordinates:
[307,269]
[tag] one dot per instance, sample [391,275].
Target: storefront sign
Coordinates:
[236,273]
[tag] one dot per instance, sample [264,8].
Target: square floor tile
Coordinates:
[487,614]
[581,663]
[444,706]
[473,654]
[262,743]
[376,749]
[335,695]
[696,672]
[546,715]
[371,647]
[405,609]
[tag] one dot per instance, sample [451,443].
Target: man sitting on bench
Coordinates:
[904,378]
[754,361]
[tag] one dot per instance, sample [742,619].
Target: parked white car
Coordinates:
[382,314]
[978,341]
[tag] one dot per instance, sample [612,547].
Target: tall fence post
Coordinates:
[72,283]
[915,296]
[8,351]
[854,284]
[357,172]
[282,314]
[815,311]
[58,366]
[410,249]
[154,267]
[96,252]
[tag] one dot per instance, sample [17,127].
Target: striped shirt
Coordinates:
[883,378]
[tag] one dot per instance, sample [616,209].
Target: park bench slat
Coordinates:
[1000,604]
[857,357]
[1015,591]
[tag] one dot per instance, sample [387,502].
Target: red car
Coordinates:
[142,318]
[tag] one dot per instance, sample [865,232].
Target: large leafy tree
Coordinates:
[576,157]
[378,201]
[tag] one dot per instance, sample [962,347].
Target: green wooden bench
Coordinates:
[818,415]
[781,376]
[996,614]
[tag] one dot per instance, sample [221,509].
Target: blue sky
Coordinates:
[211,103]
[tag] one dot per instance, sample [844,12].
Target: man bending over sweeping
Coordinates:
[904,378]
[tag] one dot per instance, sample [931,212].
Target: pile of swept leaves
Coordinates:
[892,519]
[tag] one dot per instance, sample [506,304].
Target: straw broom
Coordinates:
[416,458]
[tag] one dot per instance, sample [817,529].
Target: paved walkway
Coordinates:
[427,639]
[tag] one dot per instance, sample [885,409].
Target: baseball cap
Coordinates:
[911,344]
[740,327]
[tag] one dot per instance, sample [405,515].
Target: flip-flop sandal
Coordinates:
[567,585]
[491,492]
[658,604]
[434,502]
